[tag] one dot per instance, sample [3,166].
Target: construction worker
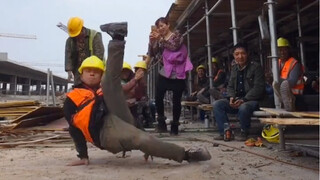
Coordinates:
[143,106]
[291,76]
[200,83]
[245,88]
[82,43]
[218,83]
[100,115]
[130,82]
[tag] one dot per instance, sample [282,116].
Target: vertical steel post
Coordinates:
[303,62]
[208,45]
[234,23]
[53,89]
[48,85]
[189,51]
[273,43]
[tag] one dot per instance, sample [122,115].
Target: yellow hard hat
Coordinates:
[200,67]
[214,60]
[141,64]
[92,62]
[75,25]
[270,133]
[126,66]
[282,42]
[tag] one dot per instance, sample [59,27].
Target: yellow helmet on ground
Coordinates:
[200,67]
[141,64]
[92,62]
[126,66]
[214,60]
[282,42]
[270,133]
[75,25]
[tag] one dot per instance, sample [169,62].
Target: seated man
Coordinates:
[246,86]
[291,76]
[129,81]
[218,84]
[199,84]
[101,115]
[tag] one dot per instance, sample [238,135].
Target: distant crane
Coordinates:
[62,27]
[20,36]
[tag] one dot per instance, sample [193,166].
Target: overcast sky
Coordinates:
[40,17]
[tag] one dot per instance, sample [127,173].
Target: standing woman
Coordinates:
[168,48]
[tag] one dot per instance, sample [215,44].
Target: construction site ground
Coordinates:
[230,160]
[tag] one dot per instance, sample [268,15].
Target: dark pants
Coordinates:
[118,132]
[221,108]
[177,86]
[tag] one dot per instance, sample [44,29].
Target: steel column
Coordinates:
[234,23]
[273,43]
[303,62]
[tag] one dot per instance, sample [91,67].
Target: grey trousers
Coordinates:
[118,132]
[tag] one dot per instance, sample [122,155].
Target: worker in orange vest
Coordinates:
[97,112]
[291,76]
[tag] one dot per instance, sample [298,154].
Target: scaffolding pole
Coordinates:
[301,46]
[273,43]
[234,23]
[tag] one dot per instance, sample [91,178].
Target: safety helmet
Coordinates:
[126,66]
[200,67]
[141,64]
[75,25]
[214,60]
[91,62]
[270,133]
[282,42]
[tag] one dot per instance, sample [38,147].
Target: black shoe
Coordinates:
[162,126]
[174,129]
[197,154]
[117,30]
[242,136]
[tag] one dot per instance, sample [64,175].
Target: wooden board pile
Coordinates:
[25,124]
[20,114]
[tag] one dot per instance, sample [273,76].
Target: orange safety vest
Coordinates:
[285,71]
[84,99]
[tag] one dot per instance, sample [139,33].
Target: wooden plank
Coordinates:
[306,114]
[18,103]
[284,113]
[38,120]
[290,121]
[28,142]
[40,111]
[277,112]
[190,103]
[21,108]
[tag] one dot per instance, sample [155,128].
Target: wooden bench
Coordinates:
[191,104]
[284,118]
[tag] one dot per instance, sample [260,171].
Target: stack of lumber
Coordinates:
[20,114]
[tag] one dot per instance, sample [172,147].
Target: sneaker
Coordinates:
[242,136]
[117,30]
[219,137]
[197,154]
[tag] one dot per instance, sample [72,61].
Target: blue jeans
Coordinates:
[221,108]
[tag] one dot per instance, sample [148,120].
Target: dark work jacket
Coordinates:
[96,123]
[254,83]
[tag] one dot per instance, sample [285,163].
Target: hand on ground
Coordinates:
[80,162]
